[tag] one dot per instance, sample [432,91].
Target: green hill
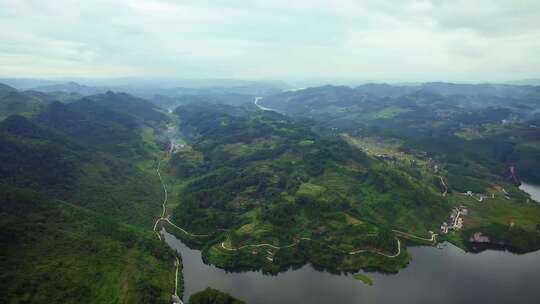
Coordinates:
[267,179]
[55,252]
[478,138]
[28,103]
[79,197]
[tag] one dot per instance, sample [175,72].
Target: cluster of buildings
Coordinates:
[477,196]
[455,220]
[176,147]
[386,157]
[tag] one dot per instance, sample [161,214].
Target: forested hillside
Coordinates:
[267,179]
[79,196]
[346,182]
[490,127]
[477,141]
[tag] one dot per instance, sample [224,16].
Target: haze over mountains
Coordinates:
[272,151]
[336,177]
[168,92]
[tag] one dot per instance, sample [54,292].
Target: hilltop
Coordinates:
[267,179]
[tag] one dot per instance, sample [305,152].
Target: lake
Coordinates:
[447,275]
[533,190]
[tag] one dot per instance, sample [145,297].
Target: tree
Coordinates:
[213,296]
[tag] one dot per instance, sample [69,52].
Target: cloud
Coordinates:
[493,17]
[410,40]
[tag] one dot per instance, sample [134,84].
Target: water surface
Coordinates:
[533,190]
[447,275]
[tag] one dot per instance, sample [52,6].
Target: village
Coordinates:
[477,196]
[455,220]
[176,147]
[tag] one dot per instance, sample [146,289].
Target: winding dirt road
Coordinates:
[308,239]
[164,204]
[183,230]
[164,209]
[223,246]
[445,186]
[408,235]
[175,297]
[257,245]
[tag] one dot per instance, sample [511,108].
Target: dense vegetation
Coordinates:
[28,103]
[78,200]
[485,127]
[213,296]
[265,178]
[335,185]
[56,252]
[481,138]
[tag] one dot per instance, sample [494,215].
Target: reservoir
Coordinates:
[447,275]
[533,190]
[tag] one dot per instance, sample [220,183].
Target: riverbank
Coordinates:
[460,276]
[532,190]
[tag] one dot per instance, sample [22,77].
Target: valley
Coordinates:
[261,152]
[255,190]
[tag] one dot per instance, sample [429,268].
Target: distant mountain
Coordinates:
[384,90]
[204,108]
[532,81]
[53,96]
[130,105]
[168,93]
[501,117]
[171,102]
[5,89]
[499,90]
[15,102]
[27,83]
[71,87]
[374,97]
[29,103]
[168,83]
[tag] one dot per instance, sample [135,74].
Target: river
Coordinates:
[447,275]
[256,102]
[533,190]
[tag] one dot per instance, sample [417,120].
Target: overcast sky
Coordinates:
[380,40]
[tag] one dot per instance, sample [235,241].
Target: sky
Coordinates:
[372,40]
